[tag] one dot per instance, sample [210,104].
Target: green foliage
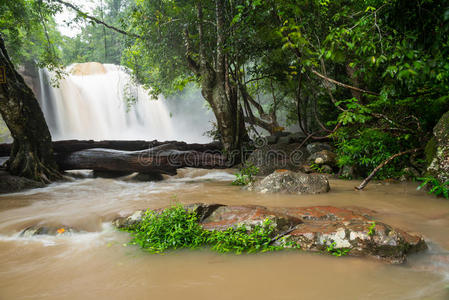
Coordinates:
[436,187]
[96,42]
[177,228]
[383,47]
[337,251]
[173,228]
[30,32]
[246,175]
[371,229]
[316,168]
[365,149]
[238,240]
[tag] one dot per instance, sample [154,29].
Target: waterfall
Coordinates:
[101,102]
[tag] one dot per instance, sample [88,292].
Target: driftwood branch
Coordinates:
[370,176]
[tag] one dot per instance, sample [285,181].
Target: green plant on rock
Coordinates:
[436,187]
[173,228]
[371,228]
[317,168]
[337,251]
[246,175]
[240,239]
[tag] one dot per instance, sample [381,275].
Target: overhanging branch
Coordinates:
[343,84]
[98,21]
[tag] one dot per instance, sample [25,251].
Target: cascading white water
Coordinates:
[92,102]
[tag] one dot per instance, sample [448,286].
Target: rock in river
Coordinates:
[13,184]
[439,166]
[325,229]
[47,230]
[288,182]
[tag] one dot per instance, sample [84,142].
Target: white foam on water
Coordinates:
[81,239]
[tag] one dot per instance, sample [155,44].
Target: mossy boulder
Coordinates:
[439,166]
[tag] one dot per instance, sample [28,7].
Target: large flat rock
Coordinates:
[325,229]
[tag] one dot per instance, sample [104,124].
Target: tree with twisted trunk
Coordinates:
[31,155]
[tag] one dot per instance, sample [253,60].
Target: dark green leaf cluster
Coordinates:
[366,148]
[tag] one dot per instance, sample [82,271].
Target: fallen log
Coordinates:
[67,146]
[155,160]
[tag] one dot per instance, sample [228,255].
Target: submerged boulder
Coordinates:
[288,182]
[326,229]
[439,167]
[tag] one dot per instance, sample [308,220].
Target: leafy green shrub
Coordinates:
[172,228]
[436,187]
[246,175]
[366,149]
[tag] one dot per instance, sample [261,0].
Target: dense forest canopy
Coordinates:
[371,75]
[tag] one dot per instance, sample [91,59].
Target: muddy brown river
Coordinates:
[97,264]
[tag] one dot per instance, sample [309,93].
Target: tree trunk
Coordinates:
[31,154]
[230,119]
[225,105]
[218,93]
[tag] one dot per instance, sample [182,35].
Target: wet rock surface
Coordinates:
[351,230]
[249,216]
[288,182]
[13,184]
[47,230]
[439,166]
